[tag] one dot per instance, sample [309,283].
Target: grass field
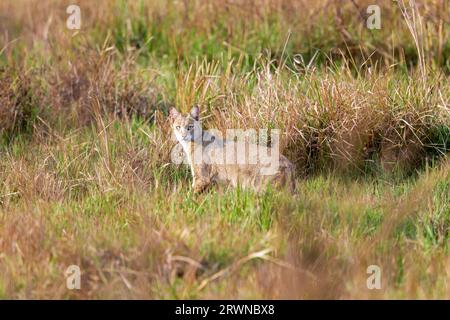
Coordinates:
[86,177]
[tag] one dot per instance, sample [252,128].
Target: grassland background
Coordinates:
[85,171]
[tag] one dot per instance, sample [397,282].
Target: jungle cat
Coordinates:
[215,160]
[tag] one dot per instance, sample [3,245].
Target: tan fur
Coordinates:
[205,173]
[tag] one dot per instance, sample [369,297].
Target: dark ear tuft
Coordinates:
[195,113]
[173,113]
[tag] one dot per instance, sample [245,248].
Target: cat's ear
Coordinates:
[173,114]
[195,113]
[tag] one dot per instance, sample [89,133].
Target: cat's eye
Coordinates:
[190,127]
[177,127]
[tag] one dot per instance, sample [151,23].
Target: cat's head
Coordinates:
[186,127]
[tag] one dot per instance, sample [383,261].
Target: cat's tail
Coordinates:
[293,183]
